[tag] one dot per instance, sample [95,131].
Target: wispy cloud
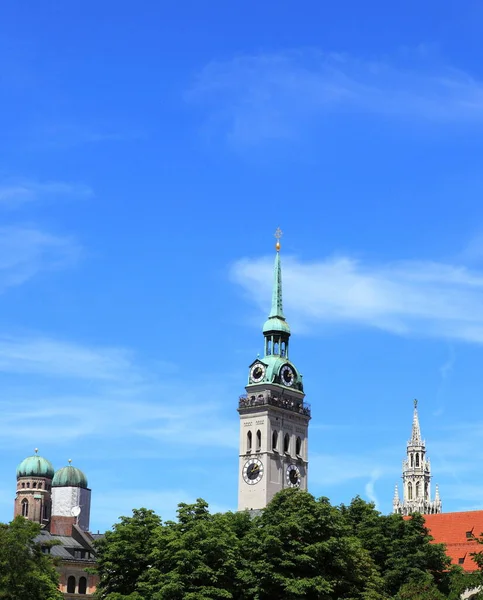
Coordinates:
[114,397]
[27,250]
[17,192]
[49,357]
[271,96]
[405,298]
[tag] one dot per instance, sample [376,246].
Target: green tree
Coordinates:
[123,554]
[299,548]
[401,548]
[25,572]
[196,558]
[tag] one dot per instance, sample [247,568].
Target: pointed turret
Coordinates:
[416,432]
[416,476]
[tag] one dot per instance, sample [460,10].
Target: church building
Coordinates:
[60,501]
[274,417]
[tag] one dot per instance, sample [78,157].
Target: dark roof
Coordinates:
[67,548]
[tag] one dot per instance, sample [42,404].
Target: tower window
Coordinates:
[34,484]
[417,460]
[249,441]
[45,512]
[71,585]
[275,440]
[286,442]
[23,485]
[39,486]
[283,349]
[259,440]
[269,347]
[410,491]
[298,446]
[412,461]
[275,348]
[418,489]
[82,585]
[25,507]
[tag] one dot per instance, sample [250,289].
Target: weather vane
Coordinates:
[415,403]
[278,234]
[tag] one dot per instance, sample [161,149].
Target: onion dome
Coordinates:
[69,477]
[35,466]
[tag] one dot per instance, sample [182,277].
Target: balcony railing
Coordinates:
[300,407]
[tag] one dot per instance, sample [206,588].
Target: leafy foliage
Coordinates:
[299,547]
[25,572]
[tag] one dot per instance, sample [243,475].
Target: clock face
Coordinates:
[257,373]
[253,471]
[293,476]
[287,375]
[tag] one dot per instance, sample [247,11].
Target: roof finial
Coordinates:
[278,235]
[69,461]
[36,450]
[416,439]
[415,403]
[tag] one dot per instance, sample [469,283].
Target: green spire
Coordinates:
[276,319]
[277,309]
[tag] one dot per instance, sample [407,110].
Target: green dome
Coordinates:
[35,466]
[276,324]
[69,477]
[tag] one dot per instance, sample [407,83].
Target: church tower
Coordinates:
[33,499]
[274,418]
[416,477]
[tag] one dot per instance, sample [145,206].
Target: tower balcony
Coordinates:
[296,406]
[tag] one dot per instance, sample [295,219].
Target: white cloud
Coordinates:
[27,250]
[16,193]
[405,297]
[270,96]
[46,356]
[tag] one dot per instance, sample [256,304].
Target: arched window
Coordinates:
[298,446]
[275,440]
[71,585]
[282,349]
[275,348]
[412,461]
[249,441]
[417,460]
[82,585]
[410,491]
[39,486]
[269,347]
[417,489]
[25,507]
[259,440]
[426,490]
[286,442]
[34,484]
[23,485]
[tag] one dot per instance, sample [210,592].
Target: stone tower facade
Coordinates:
[33,499]
[416,477]
[274,416]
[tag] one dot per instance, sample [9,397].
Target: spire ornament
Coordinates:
[278,234]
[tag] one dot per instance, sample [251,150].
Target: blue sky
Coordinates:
[149,150]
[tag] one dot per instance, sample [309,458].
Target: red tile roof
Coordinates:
[451,529]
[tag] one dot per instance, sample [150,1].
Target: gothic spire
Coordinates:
[416,431]
[396,494]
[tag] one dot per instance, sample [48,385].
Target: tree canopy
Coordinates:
[298,547]
[25,572]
